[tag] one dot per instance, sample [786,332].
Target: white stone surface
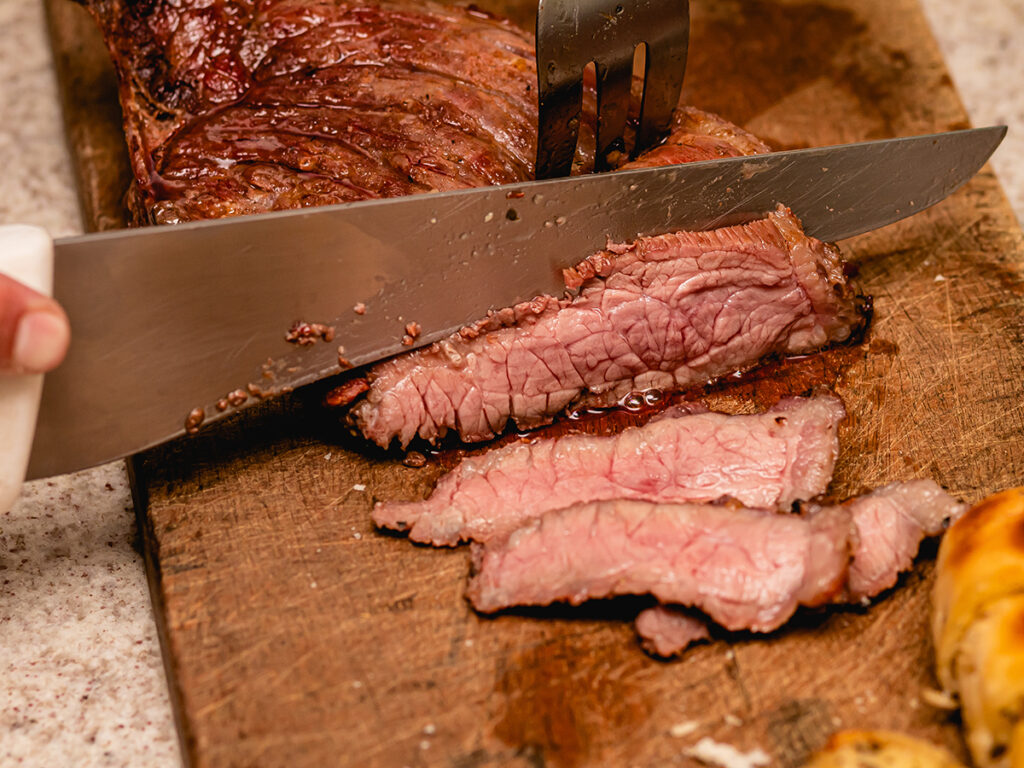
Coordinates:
[81,681]
[983,43]
[36,185]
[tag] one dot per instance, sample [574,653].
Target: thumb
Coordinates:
[34,331]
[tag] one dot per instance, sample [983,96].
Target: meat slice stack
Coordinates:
[691,508]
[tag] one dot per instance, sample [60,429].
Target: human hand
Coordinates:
[34,335]
[34,331]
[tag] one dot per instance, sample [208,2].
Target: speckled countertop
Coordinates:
[81,679]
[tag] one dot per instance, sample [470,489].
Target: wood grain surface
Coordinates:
[296,635]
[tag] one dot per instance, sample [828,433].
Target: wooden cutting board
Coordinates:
[295,635]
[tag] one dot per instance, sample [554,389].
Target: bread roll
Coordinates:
[881,749]
[978,626]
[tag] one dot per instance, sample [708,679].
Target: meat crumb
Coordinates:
[413,329]
[222,404]
[194,419]
[685,728]
[305,334]
[359,309]
[238,397]
[407,340]
[712,752]
[414,459]
[343,394]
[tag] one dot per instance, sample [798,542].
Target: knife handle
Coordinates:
[26,255]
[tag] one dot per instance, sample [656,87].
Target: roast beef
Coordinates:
[665,312]
[233,108]
[763,460]
[745,569]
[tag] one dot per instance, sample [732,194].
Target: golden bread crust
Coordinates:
[978,626]
[881,749]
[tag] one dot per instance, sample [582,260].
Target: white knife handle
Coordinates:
[26,254]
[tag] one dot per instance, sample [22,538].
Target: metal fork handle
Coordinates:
[571,34]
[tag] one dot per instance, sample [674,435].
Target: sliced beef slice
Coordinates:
[763,460]
[666,312]
[745,569]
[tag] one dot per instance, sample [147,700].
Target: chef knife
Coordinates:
[167,321]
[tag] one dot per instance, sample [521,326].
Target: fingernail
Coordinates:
[40,342]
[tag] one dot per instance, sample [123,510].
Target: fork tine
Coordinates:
[614,79]
[561,55]
[571,33]
[558,124]
[663,78]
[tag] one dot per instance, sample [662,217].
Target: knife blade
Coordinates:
[167,321]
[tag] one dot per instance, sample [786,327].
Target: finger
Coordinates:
[34,331]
